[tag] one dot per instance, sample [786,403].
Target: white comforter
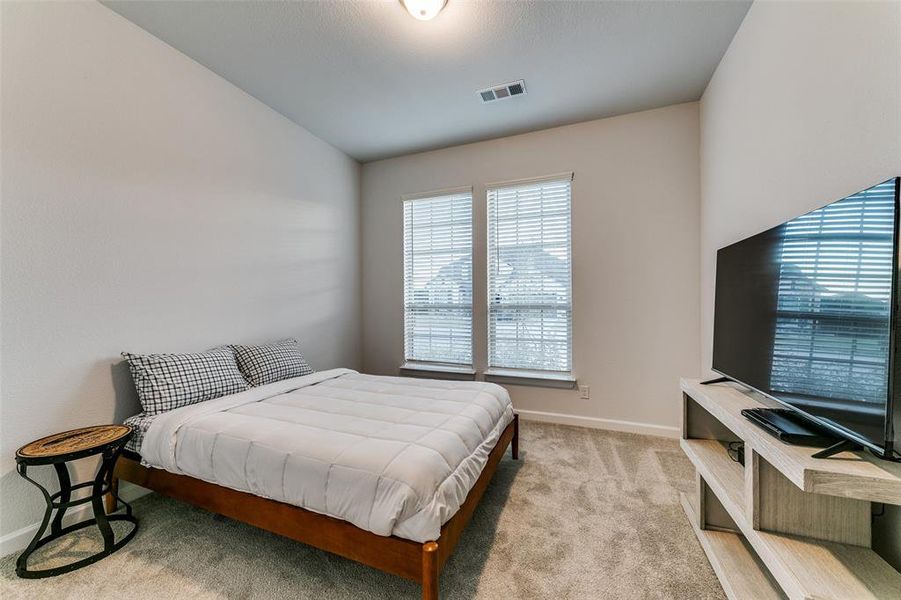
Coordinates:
[391,455]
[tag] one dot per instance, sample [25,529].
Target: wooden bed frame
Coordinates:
[421,562]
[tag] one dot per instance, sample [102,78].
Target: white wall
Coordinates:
[635,248]
[805,108]
[148,205]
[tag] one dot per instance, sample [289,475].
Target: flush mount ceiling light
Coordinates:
[424,10]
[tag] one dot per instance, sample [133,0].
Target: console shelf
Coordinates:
[849,474]
[736,565]
[724,476]
[783,524]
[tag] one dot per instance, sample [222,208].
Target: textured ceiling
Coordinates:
[374,82]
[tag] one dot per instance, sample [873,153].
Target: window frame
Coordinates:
[413,366]
[546,377]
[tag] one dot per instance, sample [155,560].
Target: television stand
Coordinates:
[715,380]
[837,447]
[786,524]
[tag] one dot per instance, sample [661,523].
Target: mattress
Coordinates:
[391,455]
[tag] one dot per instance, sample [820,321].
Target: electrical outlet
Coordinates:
[584,392]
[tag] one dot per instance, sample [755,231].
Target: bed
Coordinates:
[386,471]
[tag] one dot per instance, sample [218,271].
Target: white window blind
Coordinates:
[530,276]
[833,310]
[438,279]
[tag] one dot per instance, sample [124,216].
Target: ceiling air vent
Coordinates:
[502,92]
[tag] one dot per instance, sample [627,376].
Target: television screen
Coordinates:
[803,313]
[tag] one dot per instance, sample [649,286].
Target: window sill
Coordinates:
[437,371]
[535,378]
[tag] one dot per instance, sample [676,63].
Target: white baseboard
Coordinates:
[596,423]
[18,540]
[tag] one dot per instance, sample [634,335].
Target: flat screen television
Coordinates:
[807,314]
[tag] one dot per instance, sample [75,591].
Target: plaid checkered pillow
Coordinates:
[169,381]
[272,362]
[140,424]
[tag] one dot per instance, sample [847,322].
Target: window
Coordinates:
[438,278]
[530,276]
[835,264]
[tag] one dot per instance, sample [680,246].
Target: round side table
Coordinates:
[57,450]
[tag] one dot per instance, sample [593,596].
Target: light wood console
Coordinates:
[784,525]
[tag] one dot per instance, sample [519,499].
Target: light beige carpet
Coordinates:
[583,514]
